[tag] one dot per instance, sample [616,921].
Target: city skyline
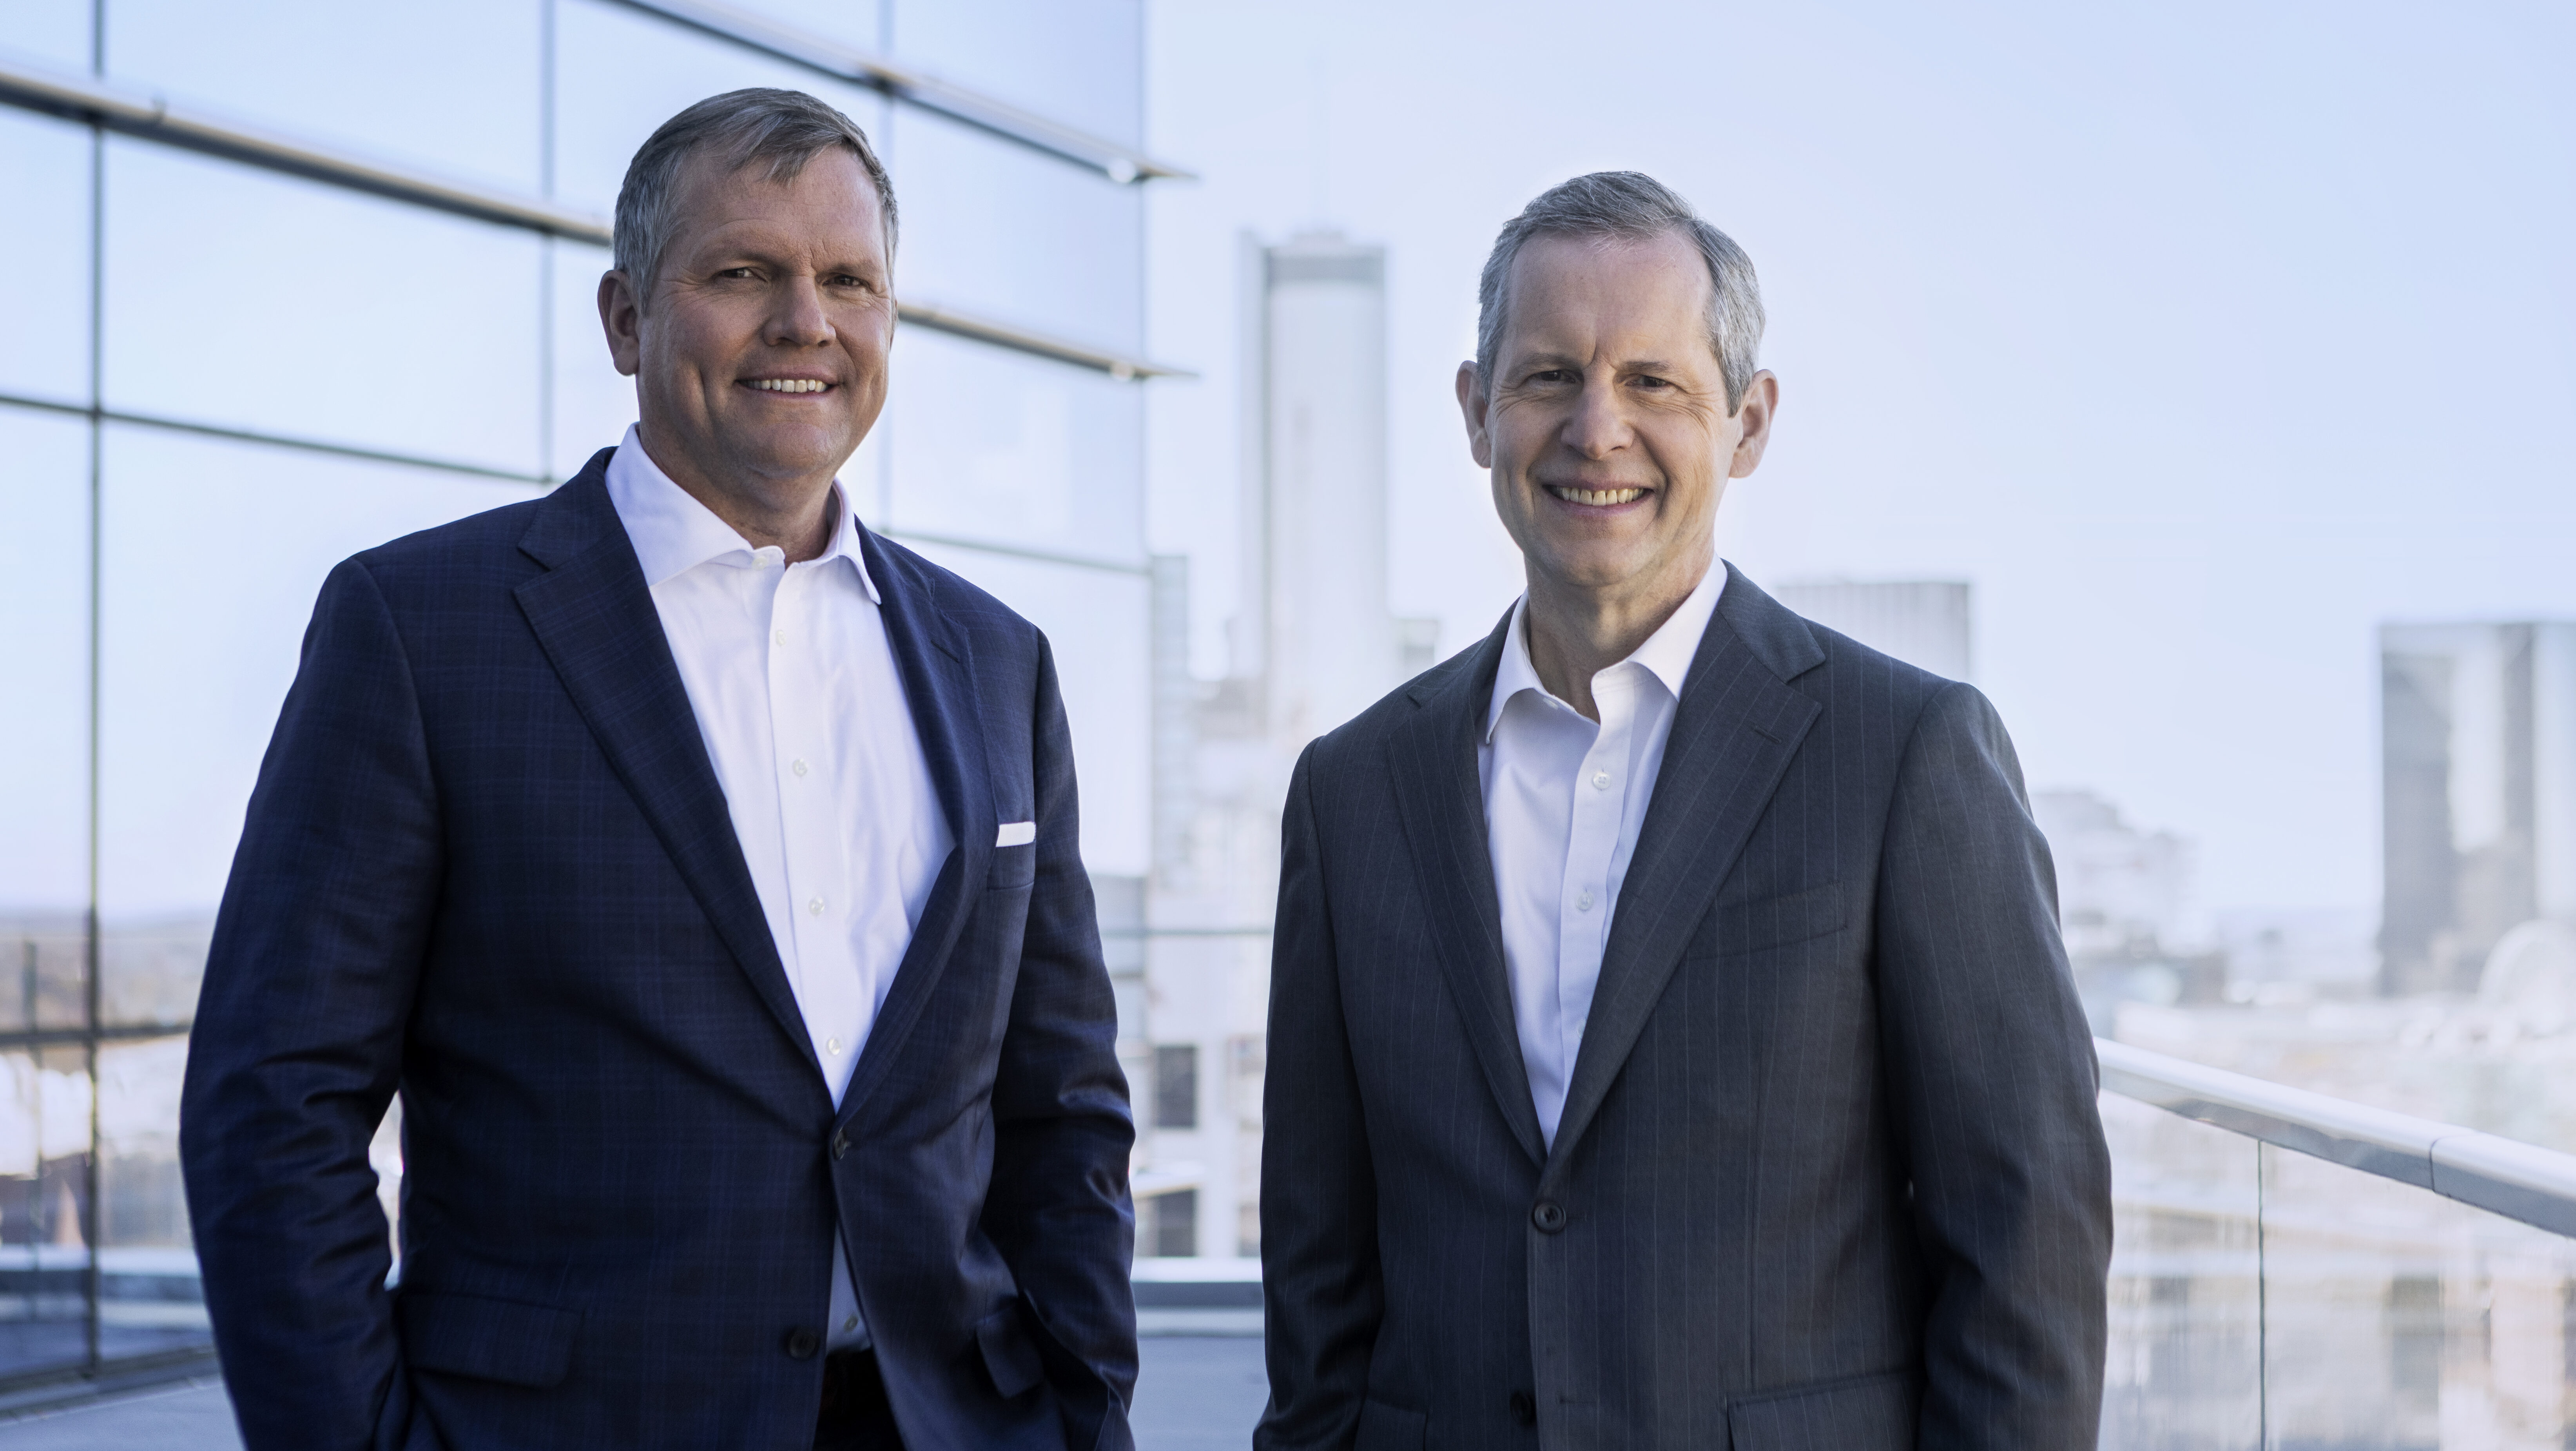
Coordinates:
[2198,361]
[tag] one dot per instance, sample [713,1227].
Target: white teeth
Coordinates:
[790,385]
[1595,496]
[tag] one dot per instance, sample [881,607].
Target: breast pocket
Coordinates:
[1735,929]
[1012,866]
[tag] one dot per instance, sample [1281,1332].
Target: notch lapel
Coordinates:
[938,671]
[1432,758]
[594,617]
[1734,730]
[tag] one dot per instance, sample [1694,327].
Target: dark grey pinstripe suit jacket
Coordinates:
[1830,1173]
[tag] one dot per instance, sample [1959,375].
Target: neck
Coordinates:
[795,515]
[1576,633]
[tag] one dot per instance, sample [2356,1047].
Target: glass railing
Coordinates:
[2298,1271]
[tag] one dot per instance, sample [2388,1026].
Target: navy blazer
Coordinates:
[488,864]
[1830,1173]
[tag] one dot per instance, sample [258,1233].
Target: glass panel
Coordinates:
[2186,1329]
[854,23]
[453,87]
[593,402]
[993,227]
[251,300]
[995,446]
[622,74]
[44,717]
[44,258]
[1078,62]
[44,1147]
[213,553]
[1096,621]
[149,1296]
[51,32]
[2397,1318]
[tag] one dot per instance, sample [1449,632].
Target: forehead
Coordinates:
[830,201]
[1592,294]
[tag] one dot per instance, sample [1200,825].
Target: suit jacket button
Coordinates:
[1549,1216]
[802,1343]
[840,1143]
[1524,1410]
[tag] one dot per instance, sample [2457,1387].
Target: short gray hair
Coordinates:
[1631,206]
[760,126]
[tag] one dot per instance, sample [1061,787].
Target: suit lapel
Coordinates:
[939,687]
[1734,730]
[594,617]
[1432,758]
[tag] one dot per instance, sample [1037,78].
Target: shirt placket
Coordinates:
[1584,903]
[805,820]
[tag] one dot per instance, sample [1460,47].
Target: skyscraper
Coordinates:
[2478,775]
[1312,644]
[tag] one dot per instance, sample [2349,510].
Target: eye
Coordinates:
[1648,380]
[739,273]
[1552,375]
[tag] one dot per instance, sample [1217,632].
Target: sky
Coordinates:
[2199,338]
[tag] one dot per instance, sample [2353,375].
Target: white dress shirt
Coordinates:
[1564,798]
[793,681]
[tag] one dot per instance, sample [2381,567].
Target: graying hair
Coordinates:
[1630,206]
[782,130]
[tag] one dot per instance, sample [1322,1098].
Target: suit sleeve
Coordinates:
[1321,1281]
[1992,1075]
[297,1046]
[1058,1208]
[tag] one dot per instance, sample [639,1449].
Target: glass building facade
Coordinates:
[276,287]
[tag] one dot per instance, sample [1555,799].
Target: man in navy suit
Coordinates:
[702,870]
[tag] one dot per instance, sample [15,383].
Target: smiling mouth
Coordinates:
[787,385]
[1595,498]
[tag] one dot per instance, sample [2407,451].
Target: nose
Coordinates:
[1598,426]
[796,316]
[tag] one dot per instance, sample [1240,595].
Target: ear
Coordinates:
[1472,402]
[1761,401]
[621,317]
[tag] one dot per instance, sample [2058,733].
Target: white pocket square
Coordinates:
[1016,833]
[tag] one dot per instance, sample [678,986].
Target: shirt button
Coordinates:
[1584,902]
[849,1324]
[1600,780]
[798,766]
[816,906]
[832,1046]
[778,635]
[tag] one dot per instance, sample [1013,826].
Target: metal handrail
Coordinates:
[2502,1176]
[153,118]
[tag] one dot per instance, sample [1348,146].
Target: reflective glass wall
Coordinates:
[2261,1299]
[217,380]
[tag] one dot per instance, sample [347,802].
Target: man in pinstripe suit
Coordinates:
[1670,1040]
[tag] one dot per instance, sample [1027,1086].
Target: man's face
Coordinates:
[1605,423]
[760,358]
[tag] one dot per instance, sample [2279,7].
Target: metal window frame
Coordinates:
[2503,1176]
[152,118]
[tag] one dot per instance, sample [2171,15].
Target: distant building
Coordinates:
[2124,899]
[2478,774]
[1921,622]
[1312,643]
